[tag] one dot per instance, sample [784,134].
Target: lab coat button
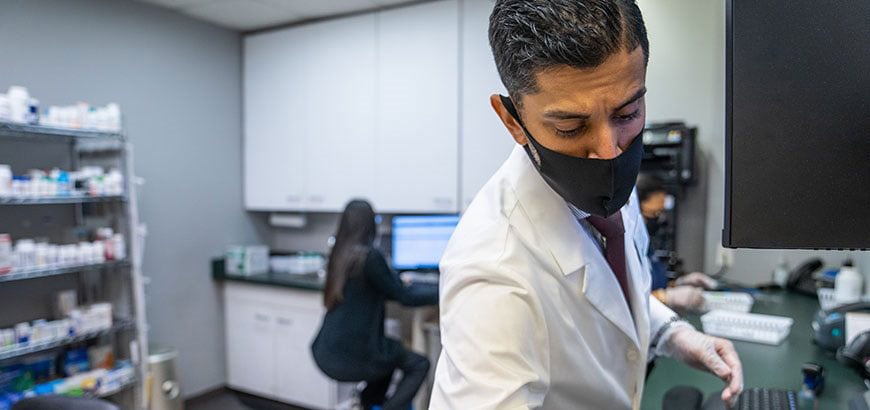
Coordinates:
[631,355]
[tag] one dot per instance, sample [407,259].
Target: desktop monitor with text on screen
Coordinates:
[797,129]
[418,241]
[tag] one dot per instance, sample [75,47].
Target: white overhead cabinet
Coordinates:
[309,115]
[275,119]
[417,109]
[357,107]
[340,113]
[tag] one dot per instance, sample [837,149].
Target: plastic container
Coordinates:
[247,260]
[5,253]
[848,285]
[19,106]
[25,254]
[32,115]
[22,333]
[780,273]
[113,117]
[826,298]
[5,180]
[119,246]
[750,327]
[732,301]
[300,264]
[5,109]
[114,183]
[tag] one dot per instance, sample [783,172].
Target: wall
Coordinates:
[312,237]
[683,77]
[178,82]
[686,80]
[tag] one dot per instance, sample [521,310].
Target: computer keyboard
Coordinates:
[767,399]
[757,399]
[423,278]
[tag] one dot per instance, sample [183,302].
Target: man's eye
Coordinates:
[568,133]
[628,117]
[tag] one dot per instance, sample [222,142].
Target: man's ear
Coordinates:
[511,123]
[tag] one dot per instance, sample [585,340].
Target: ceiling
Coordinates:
[247,15]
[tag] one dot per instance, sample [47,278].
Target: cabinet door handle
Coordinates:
[261,317]
[316,198]
[443,201]
[284,321]
[293,198]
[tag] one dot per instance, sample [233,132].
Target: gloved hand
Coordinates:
[698,280]
[685,298]
[713,354]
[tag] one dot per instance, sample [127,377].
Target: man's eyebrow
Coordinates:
[565,115]
[568,115]
[638,95]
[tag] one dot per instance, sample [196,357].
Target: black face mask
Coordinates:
[596,186]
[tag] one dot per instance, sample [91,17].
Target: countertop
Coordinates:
[310,281]
[776,367]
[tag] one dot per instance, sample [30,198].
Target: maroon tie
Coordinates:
[612,230]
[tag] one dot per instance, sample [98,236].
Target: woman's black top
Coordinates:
[351,345]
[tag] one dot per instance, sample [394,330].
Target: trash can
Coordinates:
[165,390]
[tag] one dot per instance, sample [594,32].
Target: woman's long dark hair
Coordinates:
[353,241]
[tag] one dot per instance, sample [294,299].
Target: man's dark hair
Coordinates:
[648,185]
[528,36]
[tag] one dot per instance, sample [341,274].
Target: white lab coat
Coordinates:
[531,314]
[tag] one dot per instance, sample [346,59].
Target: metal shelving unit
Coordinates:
[124,386]
[59,200]
[113,145]
[13,130]
[60,270]
[19,351]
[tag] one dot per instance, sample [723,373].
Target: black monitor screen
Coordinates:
[798,124]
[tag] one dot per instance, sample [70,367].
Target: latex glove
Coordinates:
[705,352]
[698,280]
[685,298]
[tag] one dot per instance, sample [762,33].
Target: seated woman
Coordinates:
[351,345]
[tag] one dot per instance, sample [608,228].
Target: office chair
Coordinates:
[63,403]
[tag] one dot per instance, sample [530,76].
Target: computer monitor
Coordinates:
[797,131]
[418,241]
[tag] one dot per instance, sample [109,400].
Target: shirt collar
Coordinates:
[579,214]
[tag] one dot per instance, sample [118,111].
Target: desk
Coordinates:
[764,365]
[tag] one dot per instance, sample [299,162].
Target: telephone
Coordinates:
[829,326]
[857,354]
[800,279]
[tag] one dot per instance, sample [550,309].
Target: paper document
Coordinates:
[856,323]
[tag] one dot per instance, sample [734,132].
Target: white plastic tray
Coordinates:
[827,301]
[733,301]
[749,327]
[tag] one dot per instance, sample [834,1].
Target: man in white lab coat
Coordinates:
[545,286]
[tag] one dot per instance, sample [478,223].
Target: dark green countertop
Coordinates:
[764,365]
[310,281]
